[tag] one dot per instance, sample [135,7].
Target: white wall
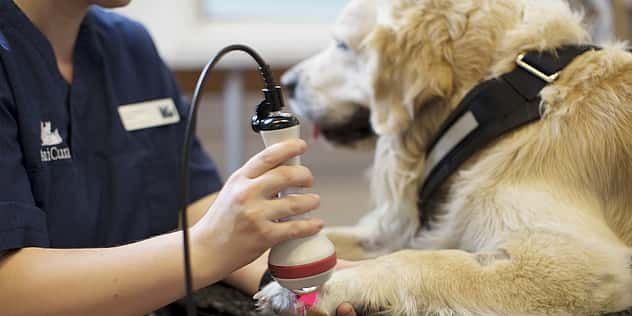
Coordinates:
[187,39]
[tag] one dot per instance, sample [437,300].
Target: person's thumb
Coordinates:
[345,309]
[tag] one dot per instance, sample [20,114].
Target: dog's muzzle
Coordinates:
[357,128]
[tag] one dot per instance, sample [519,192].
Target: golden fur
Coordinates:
[540,222]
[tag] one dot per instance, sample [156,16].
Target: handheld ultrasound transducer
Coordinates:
[300,265]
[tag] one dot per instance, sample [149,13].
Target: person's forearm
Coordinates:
[128,280]
[197,209]
[247,279]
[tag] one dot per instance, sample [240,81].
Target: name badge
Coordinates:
[148,114]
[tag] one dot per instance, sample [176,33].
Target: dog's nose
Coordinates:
[290,82]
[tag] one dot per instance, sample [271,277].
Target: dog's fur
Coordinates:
[538,223]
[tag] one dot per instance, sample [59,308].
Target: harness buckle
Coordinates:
[548,78]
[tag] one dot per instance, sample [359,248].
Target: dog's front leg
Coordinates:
[382,231]
[354,243]
[540,274]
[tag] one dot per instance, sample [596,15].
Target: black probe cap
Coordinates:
[274,97]
[273,121]
[273,103]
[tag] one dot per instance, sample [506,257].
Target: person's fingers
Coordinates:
[295,204]
[281,178]
[295,229]
[345,309]
[273,156]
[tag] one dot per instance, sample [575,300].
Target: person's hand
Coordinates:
[240,225]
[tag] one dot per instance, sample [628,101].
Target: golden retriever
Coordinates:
[538,223]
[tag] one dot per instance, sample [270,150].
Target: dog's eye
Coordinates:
[342,45]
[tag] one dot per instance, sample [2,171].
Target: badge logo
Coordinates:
[50,140]
[166,112]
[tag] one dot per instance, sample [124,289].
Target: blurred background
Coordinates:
[189,32]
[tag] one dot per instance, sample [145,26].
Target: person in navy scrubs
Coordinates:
[91,126]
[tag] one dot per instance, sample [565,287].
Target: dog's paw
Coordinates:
[371,287]
[358,286]
[352,244]
[275,298]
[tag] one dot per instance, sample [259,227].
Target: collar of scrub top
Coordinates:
[490,110]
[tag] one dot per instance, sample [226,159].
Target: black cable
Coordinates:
[273,102]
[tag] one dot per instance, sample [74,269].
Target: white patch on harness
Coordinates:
[465,125]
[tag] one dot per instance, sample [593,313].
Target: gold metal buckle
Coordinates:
[548,78]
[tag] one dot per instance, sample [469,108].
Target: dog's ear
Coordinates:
[413,59]
[412,64]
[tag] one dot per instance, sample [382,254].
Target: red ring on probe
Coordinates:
[304,270]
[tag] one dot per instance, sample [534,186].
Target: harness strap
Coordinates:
[490,110]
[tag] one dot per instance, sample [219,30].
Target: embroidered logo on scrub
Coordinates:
[51,139]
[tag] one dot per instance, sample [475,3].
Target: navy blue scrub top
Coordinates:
[71,176]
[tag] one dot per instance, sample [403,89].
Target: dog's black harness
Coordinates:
[491,109]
